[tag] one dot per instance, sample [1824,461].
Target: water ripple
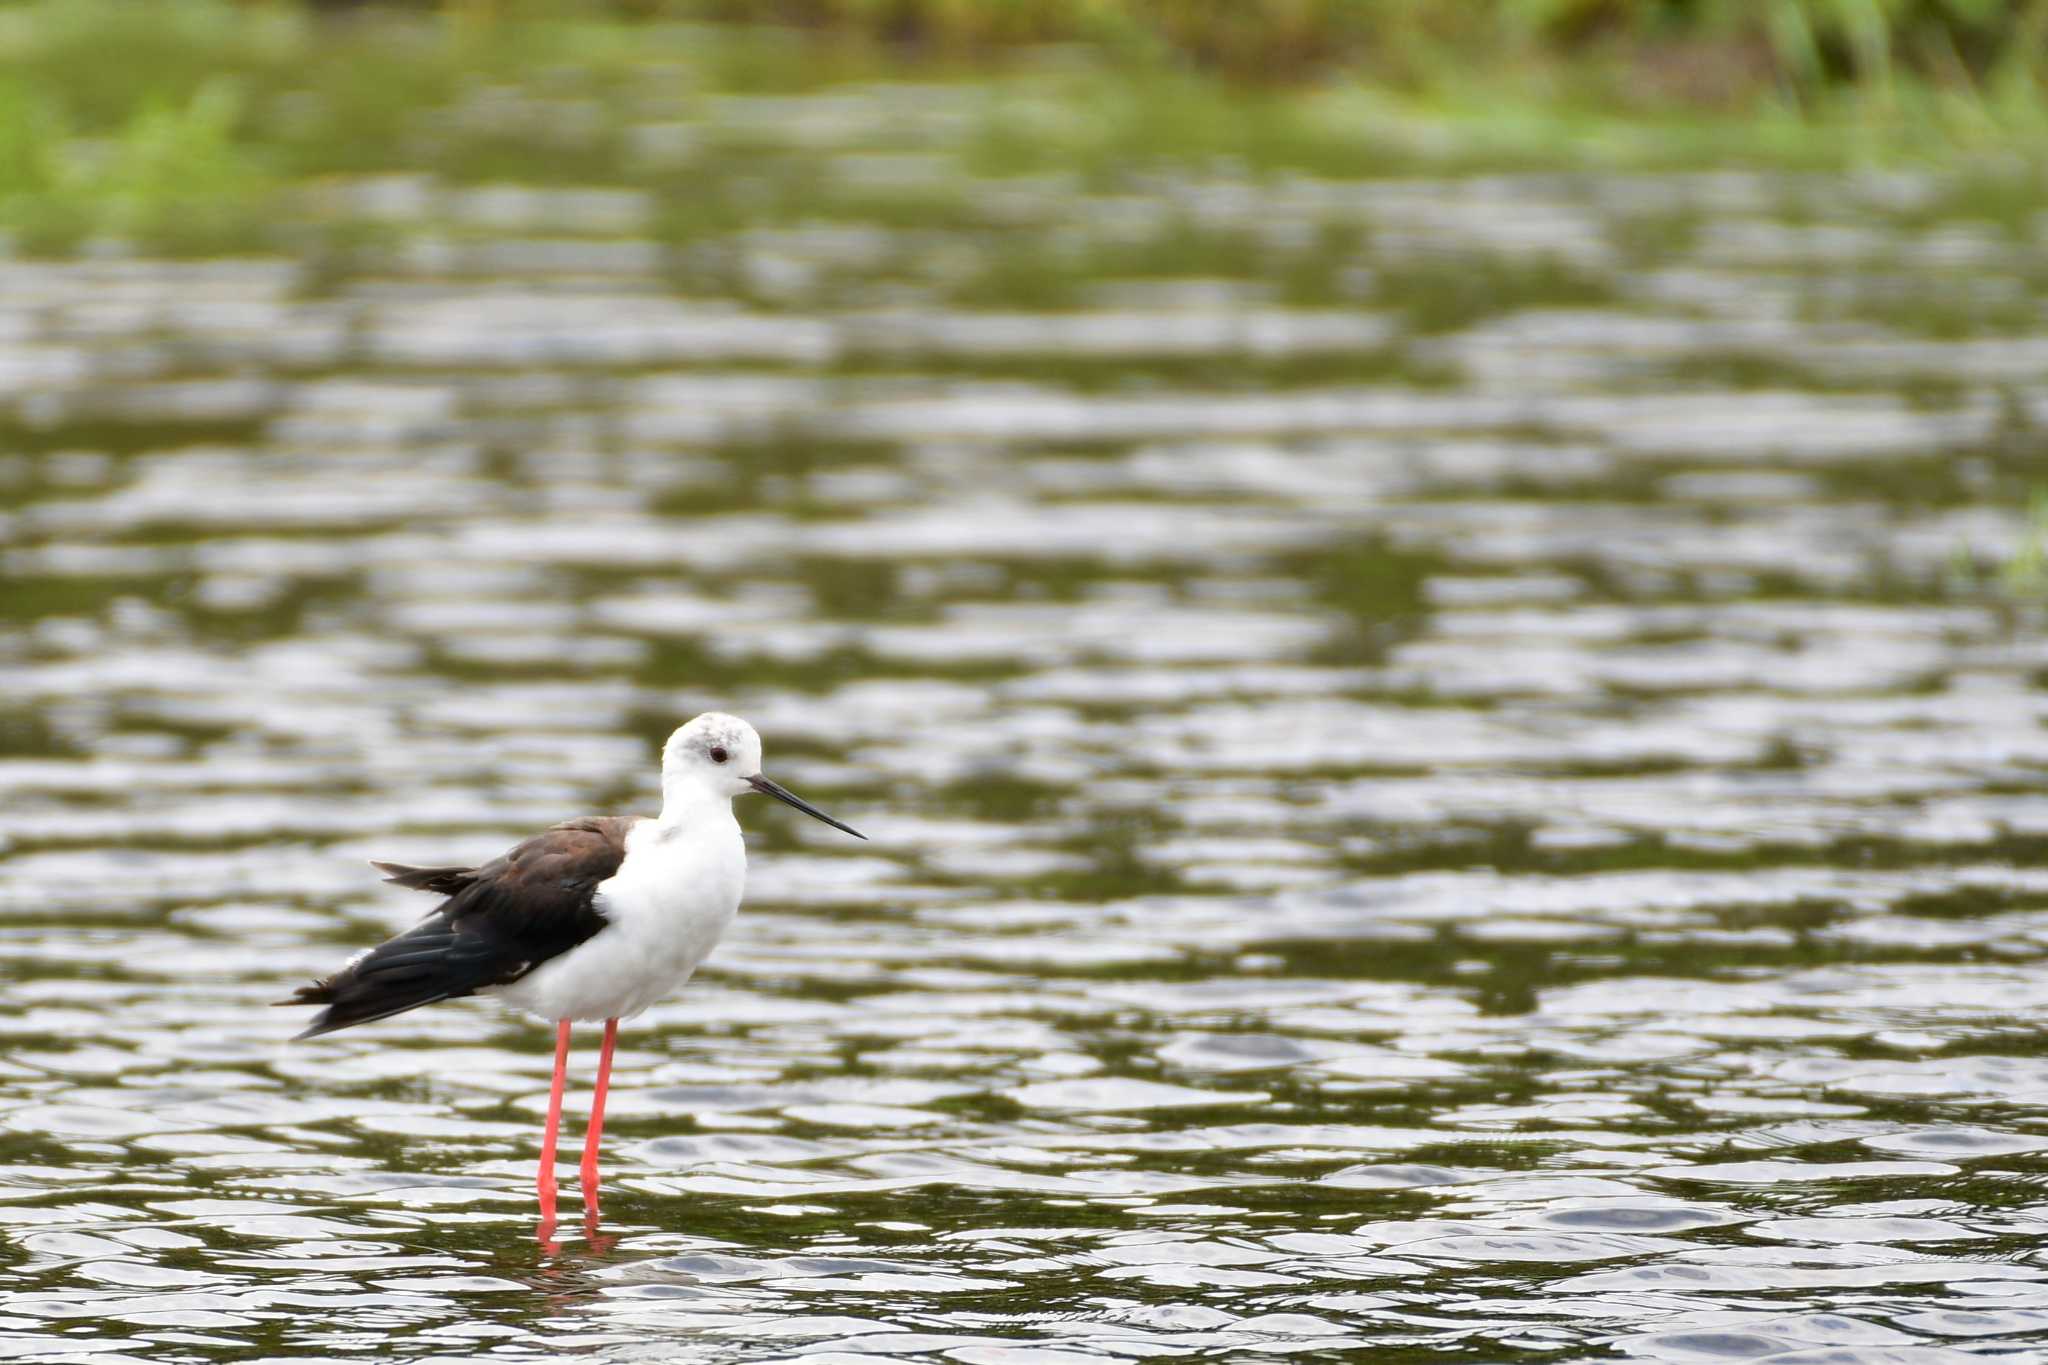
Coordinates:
[1394,829]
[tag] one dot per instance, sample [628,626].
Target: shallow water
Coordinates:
[1454,767]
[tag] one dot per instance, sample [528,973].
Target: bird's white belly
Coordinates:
[665,909]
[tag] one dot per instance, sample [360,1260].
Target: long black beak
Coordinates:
[790,798]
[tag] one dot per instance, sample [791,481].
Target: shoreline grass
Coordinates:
[182,128]
[1698,51]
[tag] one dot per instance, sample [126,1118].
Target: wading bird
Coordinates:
[597,918]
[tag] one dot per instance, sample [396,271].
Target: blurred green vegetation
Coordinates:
[180,125]
[2025,574]
[1694,48]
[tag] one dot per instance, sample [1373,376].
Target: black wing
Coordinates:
[498,923]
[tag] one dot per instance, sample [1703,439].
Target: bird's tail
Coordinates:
[354,1001]
[319,993]
[424,965]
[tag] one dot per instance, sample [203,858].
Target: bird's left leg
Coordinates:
[595,1136]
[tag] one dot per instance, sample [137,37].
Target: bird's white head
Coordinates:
[714,753]
[717,757]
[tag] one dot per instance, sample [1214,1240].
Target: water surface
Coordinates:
[1454,763]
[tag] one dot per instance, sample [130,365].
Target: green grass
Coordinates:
[1700,48]
[184,127]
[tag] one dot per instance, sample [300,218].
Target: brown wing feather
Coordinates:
[442,881]
[498,923]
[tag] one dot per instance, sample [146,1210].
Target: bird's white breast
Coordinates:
[665,909]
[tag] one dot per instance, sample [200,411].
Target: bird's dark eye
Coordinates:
[718,753]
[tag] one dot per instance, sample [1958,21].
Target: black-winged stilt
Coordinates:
[597,918]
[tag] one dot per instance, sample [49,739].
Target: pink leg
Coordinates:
[545,1182]
[595,1137]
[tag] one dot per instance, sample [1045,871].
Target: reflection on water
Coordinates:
[1490,806]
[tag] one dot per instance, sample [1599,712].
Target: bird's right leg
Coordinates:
[545,1179]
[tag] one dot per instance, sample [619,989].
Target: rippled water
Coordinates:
[1454,764]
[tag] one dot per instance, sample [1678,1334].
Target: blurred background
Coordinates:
[1435,610]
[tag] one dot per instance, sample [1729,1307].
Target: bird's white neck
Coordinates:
[686,801]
